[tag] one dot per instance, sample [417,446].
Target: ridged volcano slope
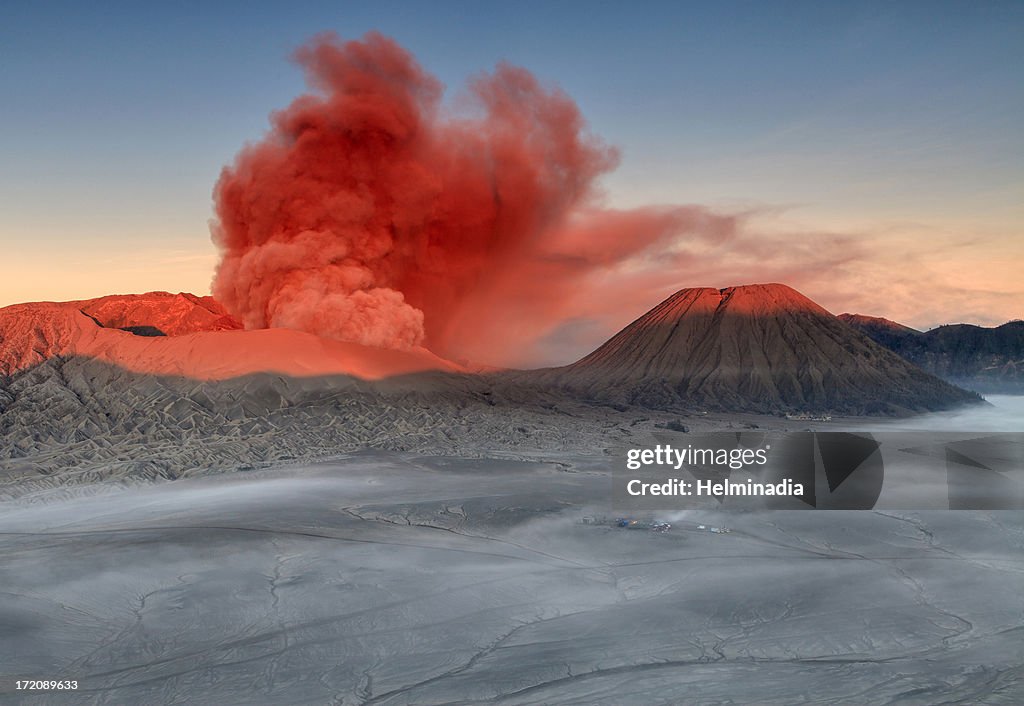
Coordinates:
[764,348]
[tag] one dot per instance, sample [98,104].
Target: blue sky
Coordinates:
[898,123]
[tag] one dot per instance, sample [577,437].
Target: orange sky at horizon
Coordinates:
[870,157]
[918,274]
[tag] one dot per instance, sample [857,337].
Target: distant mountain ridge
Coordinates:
[979,358]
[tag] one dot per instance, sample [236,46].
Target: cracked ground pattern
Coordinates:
[386,578]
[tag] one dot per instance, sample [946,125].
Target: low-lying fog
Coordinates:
[391,579]
[1004,413]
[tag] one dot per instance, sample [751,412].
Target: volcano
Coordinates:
[184,335]
[763,348]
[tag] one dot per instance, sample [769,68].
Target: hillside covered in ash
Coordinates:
[76,421]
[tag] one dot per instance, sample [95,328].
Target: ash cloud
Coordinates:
[371,213]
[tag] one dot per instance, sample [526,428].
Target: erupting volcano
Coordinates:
[184,335]
[373,213]
[377,231]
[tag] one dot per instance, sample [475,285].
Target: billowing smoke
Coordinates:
[372,213]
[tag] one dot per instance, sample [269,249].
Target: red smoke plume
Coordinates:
[369,214]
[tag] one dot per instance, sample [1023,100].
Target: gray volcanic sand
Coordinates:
[391,578]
